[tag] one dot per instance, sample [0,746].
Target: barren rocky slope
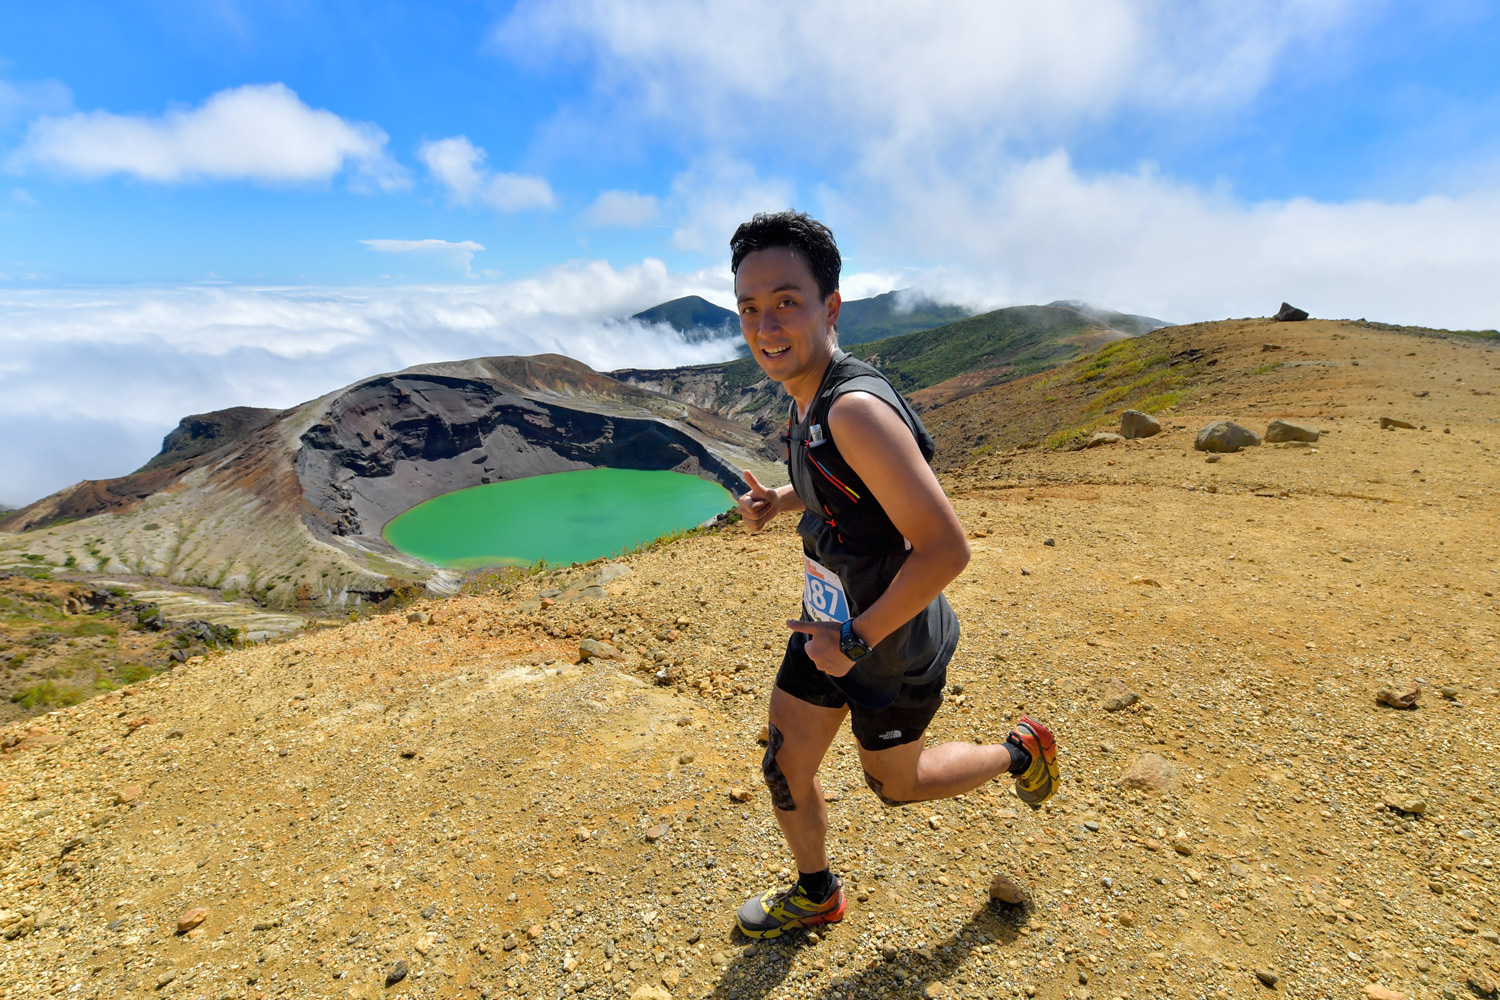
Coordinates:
[458,801]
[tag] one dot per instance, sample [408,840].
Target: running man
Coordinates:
[880,541]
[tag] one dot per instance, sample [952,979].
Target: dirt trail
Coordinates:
[460,797]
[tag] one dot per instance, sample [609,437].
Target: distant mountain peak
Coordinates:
[1124,322]
[693,316]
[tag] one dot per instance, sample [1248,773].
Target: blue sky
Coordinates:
[211,204]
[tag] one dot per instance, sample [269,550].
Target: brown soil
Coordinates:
[65,641]
[459,797]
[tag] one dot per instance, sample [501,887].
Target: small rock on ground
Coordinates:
[1151,772]
[1399,694]
[1287,430]
[1006,890]
[1118,695]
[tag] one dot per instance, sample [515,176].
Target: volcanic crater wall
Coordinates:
[392,442]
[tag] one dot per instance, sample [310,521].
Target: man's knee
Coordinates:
[878,787]
[770,770]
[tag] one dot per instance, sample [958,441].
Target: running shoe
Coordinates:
[1036,784]
[772,912]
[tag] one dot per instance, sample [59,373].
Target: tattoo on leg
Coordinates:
[781,792]
[878,788]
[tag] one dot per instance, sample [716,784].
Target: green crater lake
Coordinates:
[564,517]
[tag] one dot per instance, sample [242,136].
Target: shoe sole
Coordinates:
[816,920]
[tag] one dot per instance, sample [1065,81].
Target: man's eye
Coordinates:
[785,304]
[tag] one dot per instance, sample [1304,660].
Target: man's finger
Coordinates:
[756,489]
[811,628]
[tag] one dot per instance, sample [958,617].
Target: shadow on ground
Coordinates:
[762,975]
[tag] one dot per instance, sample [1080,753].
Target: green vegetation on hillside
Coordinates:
[1009,343]
[1062,408]
[1124,322]
[1026,339]
[1140,374]
[883,316]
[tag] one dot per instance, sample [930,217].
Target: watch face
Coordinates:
[852,645]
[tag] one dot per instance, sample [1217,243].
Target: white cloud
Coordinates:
[923,131]
[622,208]
[459,255]
[262,133]
[458,165]
[877,70]
[718,193]
[97,377]
[1040,230]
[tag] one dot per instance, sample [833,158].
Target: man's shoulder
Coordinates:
[866,411]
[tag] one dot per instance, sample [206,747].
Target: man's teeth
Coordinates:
[776,351]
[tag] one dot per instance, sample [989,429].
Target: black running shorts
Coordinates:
[903,721]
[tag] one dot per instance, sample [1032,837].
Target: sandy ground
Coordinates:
[460,801]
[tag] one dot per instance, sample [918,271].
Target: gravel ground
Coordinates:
[459,799]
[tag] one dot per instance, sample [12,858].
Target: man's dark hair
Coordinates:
[797,230]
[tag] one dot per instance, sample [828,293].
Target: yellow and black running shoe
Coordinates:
[1036,784]
[774,911]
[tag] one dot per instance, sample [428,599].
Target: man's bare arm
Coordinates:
[879,447]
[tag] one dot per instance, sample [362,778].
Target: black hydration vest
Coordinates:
[846,531]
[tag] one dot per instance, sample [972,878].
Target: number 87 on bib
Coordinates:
[823,594]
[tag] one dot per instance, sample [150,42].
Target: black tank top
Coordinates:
[846,531]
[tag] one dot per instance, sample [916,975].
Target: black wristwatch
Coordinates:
[852,645]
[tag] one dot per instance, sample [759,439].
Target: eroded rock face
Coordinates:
[389,443]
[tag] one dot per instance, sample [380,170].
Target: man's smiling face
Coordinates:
[785,321]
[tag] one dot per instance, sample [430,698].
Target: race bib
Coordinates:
[823,594]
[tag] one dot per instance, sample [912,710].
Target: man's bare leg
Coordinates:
[800,736]
[915,772]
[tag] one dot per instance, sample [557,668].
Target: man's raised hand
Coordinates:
[758,506]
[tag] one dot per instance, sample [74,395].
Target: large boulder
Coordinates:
[1289,313]
[1286,430]
[1135,424]
[1225,436]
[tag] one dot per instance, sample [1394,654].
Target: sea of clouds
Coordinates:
[92,379]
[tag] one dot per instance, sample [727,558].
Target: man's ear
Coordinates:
[833,304]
